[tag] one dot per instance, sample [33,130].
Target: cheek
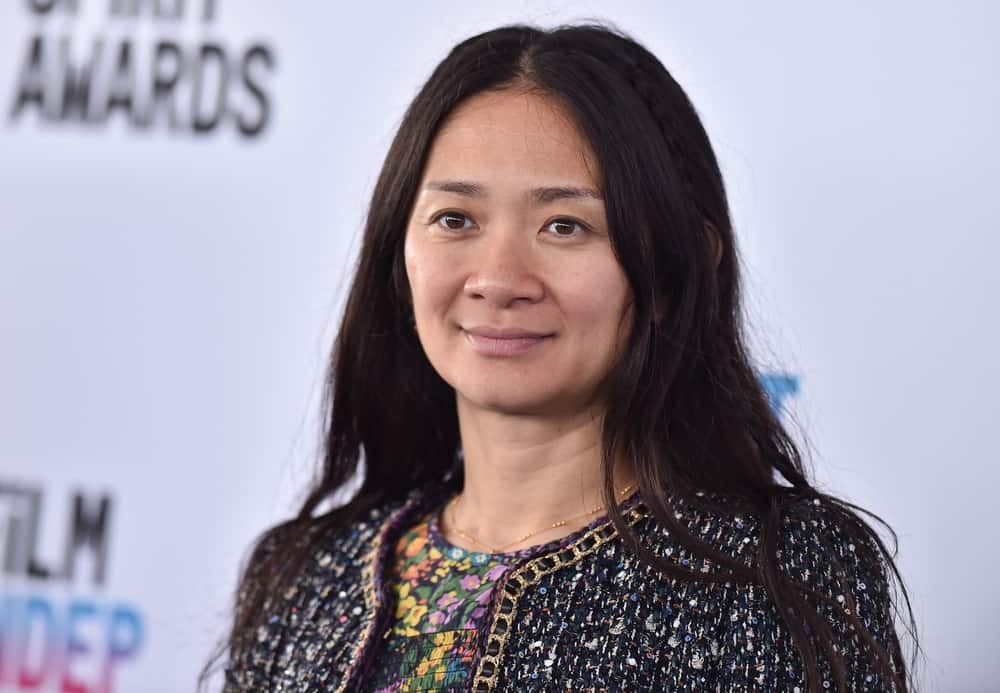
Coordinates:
[601,298]
[431,276]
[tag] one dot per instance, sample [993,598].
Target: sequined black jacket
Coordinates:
[587,617]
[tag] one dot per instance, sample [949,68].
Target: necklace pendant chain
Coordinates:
[554,525]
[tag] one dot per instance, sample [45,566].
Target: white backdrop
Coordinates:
[167,296]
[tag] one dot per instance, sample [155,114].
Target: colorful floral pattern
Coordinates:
[443,592]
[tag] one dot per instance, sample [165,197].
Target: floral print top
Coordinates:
[442,596]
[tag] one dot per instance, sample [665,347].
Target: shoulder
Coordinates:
[820,544]
[815,541]
[829,549]
[822,551]
[340,535]
[832,560]
[286,582]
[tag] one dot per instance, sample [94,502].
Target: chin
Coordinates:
[516,398]
[507,400]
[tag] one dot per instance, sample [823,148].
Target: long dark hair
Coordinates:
[685,404]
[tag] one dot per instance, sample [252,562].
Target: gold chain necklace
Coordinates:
[554,525]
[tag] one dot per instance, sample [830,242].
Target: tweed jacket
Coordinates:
[587,616]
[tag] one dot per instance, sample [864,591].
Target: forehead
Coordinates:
[514,133]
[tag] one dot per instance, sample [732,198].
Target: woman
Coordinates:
[570,476]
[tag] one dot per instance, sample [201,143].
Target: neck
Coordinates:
[524,473]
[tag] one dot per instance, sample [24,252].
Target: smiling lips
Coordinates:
[493,341]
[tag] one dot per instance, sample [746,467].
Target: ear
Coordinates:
[715,241]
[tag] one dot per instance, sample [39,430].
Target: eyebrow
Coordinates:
[541,195]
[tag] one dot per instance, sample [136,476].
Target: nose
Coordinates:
[503,272]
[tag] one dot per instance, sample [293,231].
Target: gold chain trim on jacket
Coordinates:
[531,572]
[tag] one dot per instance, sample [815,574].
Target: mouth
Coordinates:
[491,341]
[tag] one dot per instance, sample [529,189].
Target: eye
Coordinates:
[566,228]
[453,221]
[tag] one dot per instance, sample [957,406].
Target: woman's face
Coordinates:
[519,301]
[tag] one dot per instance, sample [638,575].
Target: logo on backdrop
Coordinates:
[779,388]
[136,68]
[51,637]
